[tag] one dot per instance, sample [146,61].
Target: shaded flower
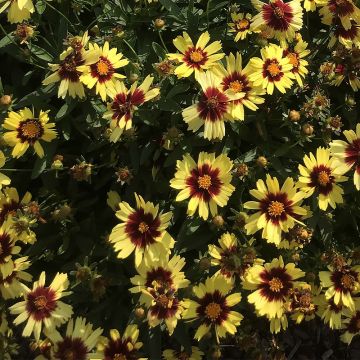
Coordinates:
[196,354]
[26,130]
[241,25]
[18,10]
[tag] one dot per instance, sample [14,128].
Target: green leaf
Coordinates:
[40,53]
[40,6]
[178,89]
[173,9]
[6,40]
[159,51]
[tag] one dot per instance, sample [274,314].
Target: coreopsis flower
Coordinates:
[68,71]
[272,283]
[77,343]
[196,354]
[213,108]
[206,183]
[236,79]
[164,271]
[142,230]
[343,10]
[11,286]
[330,313]
[351,323]
[8,248]
[4,180]
[272,70]
[125,102]
[195,58]
[120,347]
[296,55]
[42,306]
[347,37]
[278,18]
[348,152]
[232,257]
[10,203]
[19,10]
[26,130]
[277,209]
[310,5]
[278,324]
[241,25]
[212,307]
[321,174]
[102,72]
[300,303]
[342,283]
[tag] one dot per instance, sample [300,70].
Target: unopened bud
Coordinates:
[294,116]
[307,129]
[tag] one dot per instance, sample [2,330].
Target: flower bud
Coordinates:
[262,161]
[307,129]
[294,115]
[6,100]
[159,23]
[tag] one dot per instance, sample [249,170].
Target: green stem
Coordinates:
[207,13]
[61,14]
[162,41]
[132,50]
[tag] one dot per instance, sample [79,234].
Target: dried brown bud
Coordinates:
[218,221]
[242,170]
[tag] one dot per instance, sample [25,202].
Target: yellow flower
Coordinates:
[232,257]
[142,229]
[212,307]
[278,18]
[348,38]
[196,354]
[277,210]
[310,5]
[11,286]
[113,200]
[27,130]
[19,10]
[322,174]
[351,323]
[125,102]
[77,343]
[296,55]
[197,57]
[272,283]
[121,347]
[348,152]
[236,79]
[241,25]
[41,306]
[206,183]
[329,312]
[213,108]
[278,324]
[272,70]
[74,58]
[4,180]
[343,10]
[102,72]
[8,248]
[341,284]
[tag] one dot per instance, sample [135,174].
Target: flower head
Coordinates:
[236,79]
[125,102]
[330,313]
[351,323]
[277,209]
[278,18]
[206,183]
[77,342]
[196,354]
[42,306]
[19,10]
[120,347]
[213,108]
[348,152]
[272,70]
[272,283]
[102,72]
[68,71]
[321,174]
[212,307]
[241,25]
[142,229]
[195,58]
[26,130]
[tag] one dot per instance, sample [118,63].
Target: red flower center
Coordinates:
[41,302]
[71,349]
[276,284]
[195,57]
[30,130]
[103,69]
[341,7]
[120,350]
[278,15]
[67,68]
[352,154]
[242,25]
[322,178]
[212,105]
[277,207]
[6,247]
